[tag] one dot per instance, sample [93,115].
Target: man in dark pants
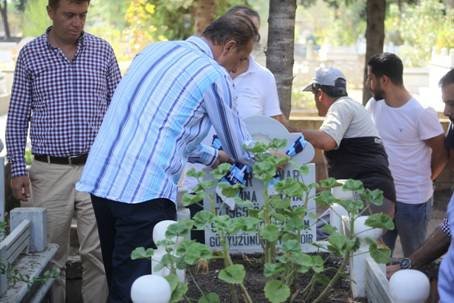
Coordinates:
[173,93]
[349,138]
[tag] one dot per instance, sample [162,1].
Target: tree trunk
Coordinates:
[204,13]
[4,13]
[279,53]
[375,36]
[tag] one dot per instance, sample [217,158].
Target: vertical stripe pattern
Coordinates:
[171,95]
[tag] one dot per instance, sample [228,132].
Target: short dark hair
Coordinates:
[331,91]
[387,64]
[447,79]
[231,27]
[54,3]
[246,11]
[242,9]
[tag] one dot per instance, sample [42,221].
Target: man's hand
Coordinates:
[222,158]
[283,158]
[391,269]
[21,187]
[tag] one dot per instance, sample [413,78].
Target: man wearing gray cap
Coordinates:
[348,137]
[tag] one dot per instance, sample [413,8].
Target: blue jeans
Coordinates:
[411,225]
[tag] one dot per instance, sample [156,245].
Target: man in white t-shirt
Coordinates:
[349,138]
[413,139]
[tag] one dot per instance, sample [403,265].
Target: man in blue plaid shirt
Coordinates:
[63,83]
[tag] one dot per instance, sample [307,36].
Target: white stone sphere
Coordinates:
[159,230]
[340,193]
[363,231]
[409,286]
[150,289]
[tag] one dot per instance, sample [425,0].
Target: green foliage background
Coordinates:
[417,29]
[35,19]
[129,25]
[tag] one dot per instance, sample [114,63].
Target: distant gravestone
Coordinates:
[266,129]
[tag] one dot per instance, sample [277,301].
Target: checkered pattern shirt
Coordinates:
[449,142]
[445,226]
[63,101]
[172,94]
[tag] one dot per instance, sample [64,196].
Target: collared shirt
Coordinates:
[256,92]
[63,100]
[172,94]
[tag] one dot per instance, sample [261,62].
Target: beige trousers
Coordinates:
[53,188]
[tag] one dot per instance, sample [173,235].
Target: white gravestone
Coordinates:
[265,129]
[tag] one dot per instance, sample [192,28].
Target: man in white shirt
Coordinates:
[413,139]
[348,137]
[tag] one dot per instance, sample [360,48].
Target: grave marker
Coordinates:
[266,129]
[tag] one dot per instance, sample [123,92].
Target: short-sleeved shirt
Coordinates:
[359,154]
[347,118]
[255,92]
[403,131]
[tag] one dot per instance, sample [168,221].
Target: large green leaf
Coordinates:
[221,170]
[328,183]
[276,291]
[189,199]
[180,228]
[248,224]
[202,218]
[195,252]
[373,196]
[179,289]
[230,190]
[271,269]
[380,220]
[194,173]
[142,253]
[380,254]
[270,233]
[233,274]
[325,198]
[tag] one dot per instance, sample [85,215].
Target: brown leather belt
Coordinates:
[72,160]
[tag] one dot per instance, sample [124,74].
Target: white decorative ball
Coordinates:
[363,231]
[409,286]
[150,289]
[340,193]
[159,230]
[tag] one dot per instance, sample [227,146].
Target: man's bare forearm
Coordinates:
[434,247]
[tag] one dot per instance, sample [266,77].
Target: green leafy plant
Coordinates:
[279,225]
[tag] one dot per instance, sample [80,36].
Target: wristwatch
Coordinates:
[405,263]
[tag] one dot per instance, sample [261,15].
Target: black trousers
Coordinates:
[122,227]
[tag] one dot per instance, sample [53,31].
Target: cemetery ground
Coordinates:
[208,281]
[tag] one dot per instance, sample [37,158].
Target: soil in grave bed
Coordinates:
[208,281]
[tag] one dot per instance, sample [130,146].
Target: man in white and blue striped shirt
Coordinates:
[171,95]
